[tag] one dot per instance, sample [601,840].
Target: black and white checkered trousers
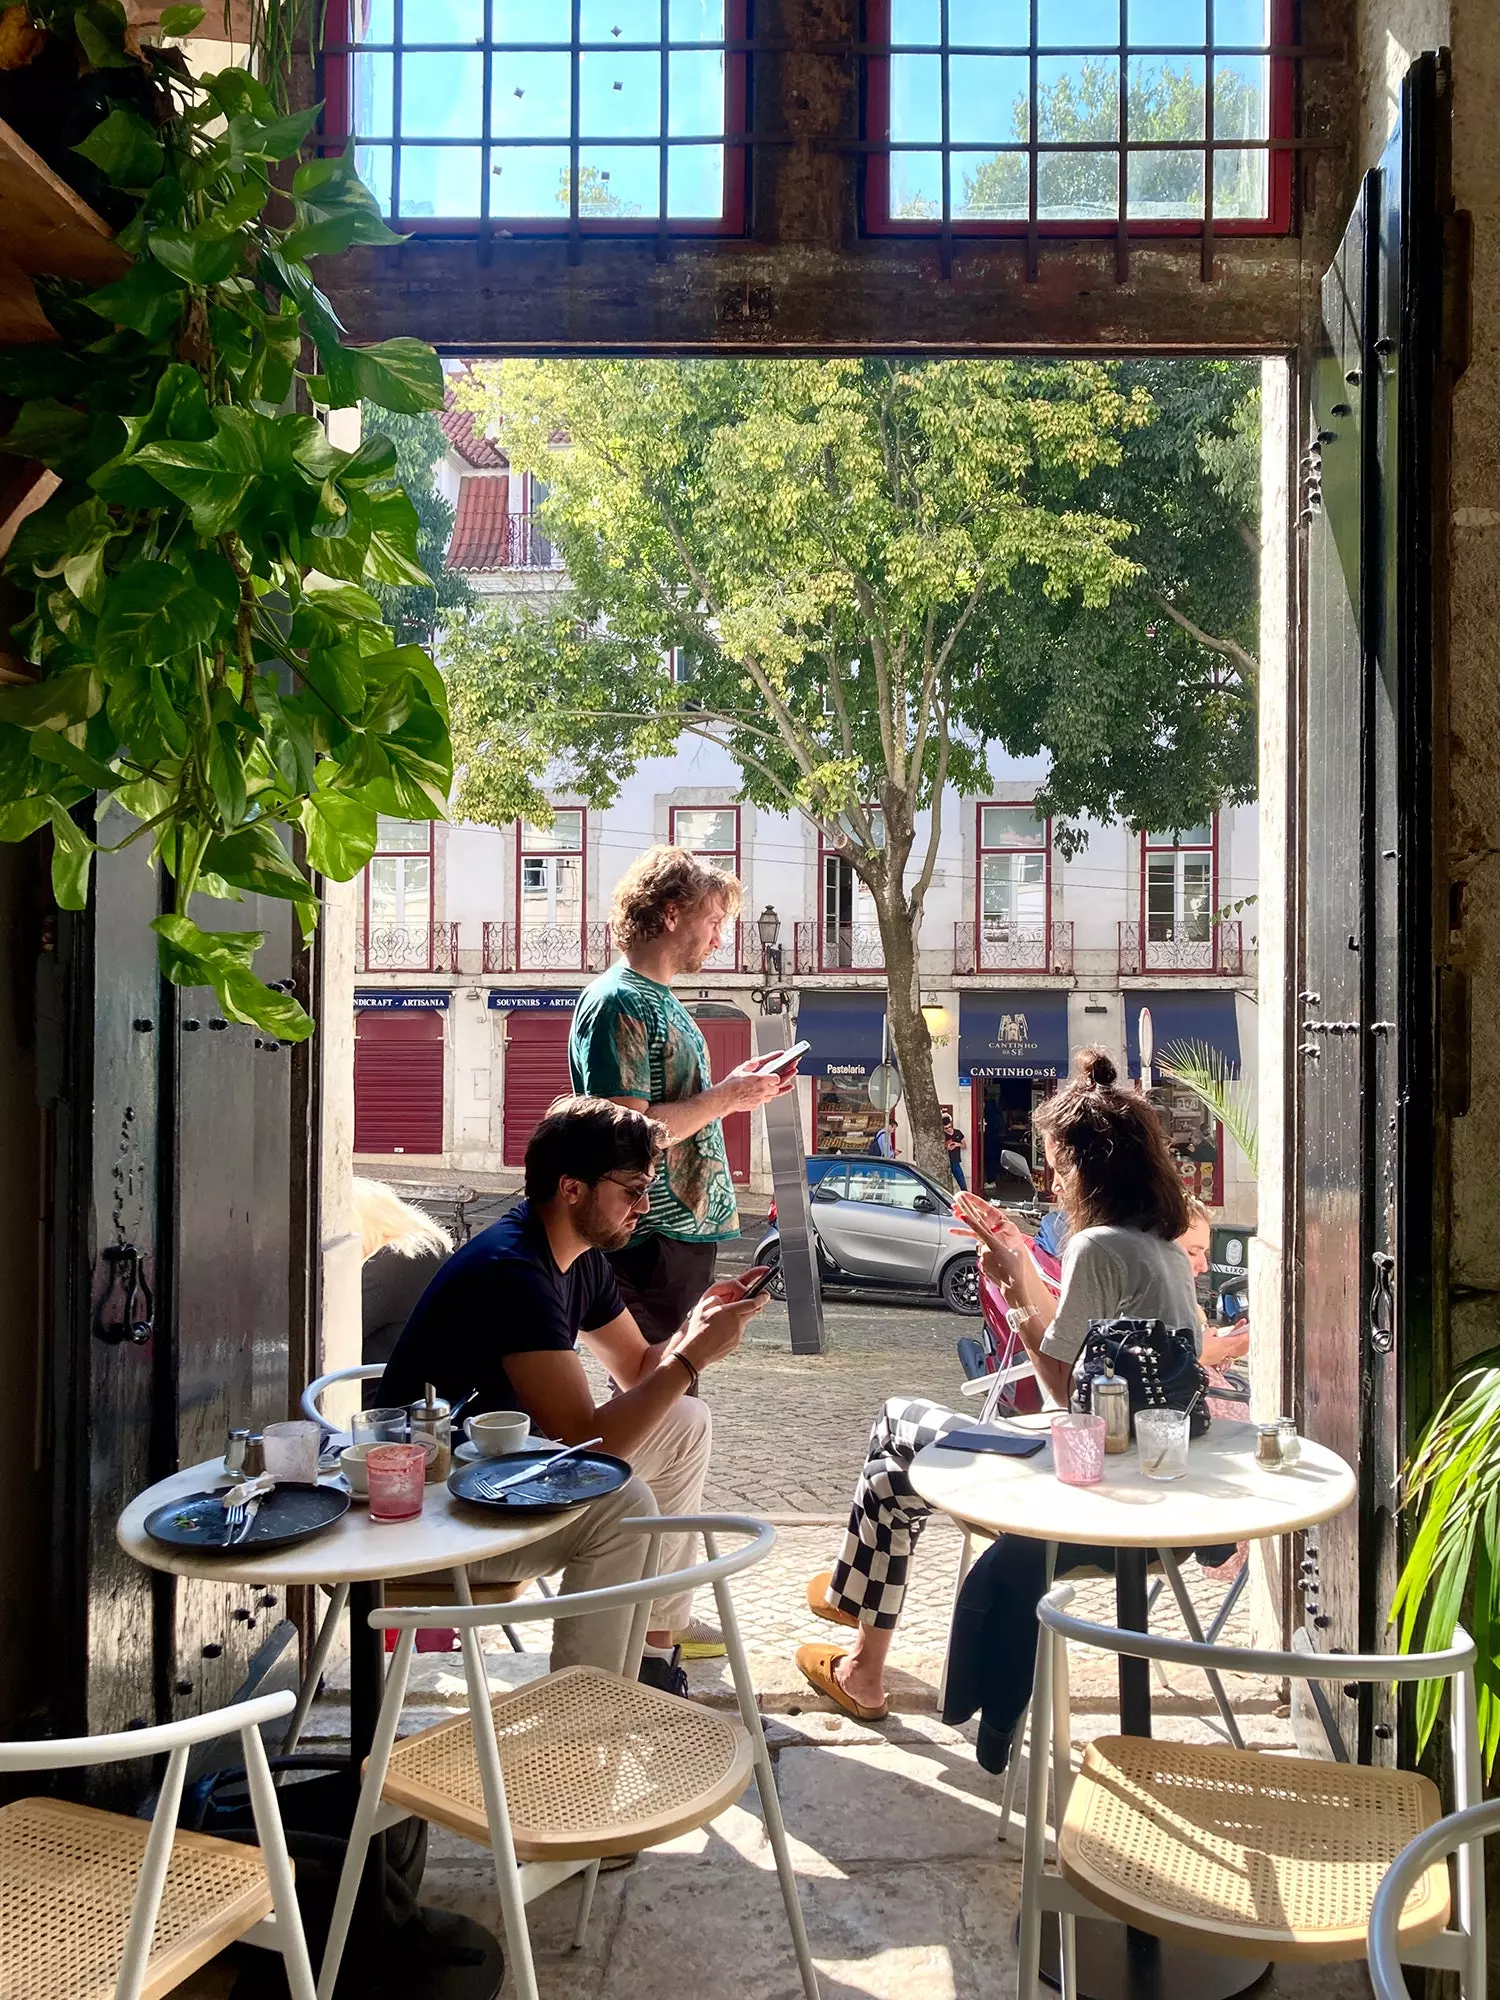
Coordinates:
[869,1578]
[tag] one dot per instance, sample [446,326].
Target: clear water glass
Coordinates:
[388,1426]
[292,1449]
[1162,1439]
[1078,1448]
[397,1476]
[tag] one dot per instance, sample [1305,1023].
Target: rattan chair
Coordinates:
[579,1764]
[94,1906]
[1242,1851]
[1461,1835]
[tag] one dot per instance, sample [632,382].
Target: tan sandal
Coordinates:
[817,1664]
[818,1605]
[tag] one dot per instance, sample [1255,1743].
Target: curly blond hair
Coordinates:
[665,875]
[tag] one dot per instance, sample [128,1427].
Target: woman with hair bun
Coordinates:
[1125,1204]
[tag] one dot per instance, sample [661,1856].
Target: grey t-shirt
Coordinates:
[1112,1273]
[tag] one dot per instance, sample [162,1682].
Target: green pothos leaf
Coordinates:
[222,959]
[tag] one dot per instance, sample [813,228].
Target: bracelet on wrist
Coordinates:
[1019,1316]
[692,1388]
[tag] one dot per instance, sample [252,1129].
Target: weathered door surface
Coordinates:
[174,1183]
[1365,1042]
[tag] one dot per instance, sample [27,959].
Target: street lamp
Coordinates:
[772,996]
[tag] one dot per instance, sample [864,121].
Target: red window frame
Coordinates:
[981,851]
[878,220]
[706,853]
[1155,844]
[392,853]
[334,135]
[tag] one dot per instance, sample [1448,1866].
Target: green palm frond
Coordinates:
[1205,1071]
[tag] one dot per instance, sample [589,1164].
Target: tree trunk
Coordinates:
[911,1040]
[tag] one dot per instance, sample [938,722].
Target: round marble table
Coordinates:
[1224,1497]
[449,1957]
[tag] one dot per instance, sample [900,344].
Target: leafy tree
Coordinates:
[415,610]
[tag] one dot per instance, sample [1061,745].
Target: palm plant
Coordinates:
[1454,1479]
[1205,1071]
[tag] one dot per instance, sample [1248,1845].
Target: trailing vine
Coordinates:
[214,673]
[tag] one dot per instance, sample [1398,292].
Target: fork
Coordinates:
[234,1519]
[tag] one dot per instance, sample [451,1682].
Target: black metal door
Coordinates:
[1366,1043]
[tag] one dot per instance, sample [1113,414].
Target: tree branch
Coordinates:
[1229,649]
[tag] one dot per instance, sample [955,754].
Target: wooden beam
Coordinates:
[45,227]
[24,486]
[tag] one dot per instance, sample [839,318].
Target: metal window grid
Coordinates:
[343,48]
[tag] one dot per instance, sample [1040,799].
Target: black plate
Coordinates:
[587,1475]
[288,1514]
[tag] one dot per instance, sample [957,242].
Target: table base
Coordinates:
[440,1956]
[1119,1964]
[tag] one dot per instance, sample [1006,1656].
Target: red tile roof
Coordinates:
[472,447]
[478,541]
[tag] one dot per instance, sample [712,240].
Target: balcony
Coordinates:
[996,946]
[524,546]
[837,948]
[546,948]
[739,950]
[406,948]
[1184,949]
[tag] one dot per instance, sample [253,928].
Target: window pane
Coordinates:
[565,833]
[441,180]
[373,165]
[1029,897]
[988,99]
[1011,826]
[1197,897]
[619,20]
[995,905]
[1161,897]
[619,180]
[1240,187]
[695,94]
[529,181]
[1166,97]
[1077,24]
[372,96]
[916,196]
[442,97]
[706,829]
[1077,98]
[1240,98]
[402,835]
[401,890]
[532,21]
[917,98]
[991,187]
[619,96]
[1164,184]
[446,21]
[530,96]
[1242,23]
[994,24]
[888,1186]
[1165,23]
[379,22]
[696,20]
[1077,186]
[916,21]
[695,181]
[1187,836]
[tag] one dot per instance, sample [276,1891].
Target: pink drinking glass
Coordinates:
[398,1481]
[1078,1448]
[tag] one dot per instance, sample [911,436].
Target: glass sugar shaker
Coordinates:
[1290,1443]
[433,1418]
[1110,1399]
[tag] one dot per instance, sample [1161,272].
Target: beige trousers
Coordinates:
[593,1551]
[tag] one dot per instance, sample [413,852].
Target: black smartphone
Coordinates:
[1004,1444]
[757,1285]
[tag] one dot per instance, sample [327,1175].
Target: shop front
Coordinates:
[847,1033]
[399,1044]
[534,1043]
[1012,1048]
[1179,1020]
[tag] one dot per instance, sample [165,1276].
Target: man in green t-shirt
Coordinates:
[635,1042]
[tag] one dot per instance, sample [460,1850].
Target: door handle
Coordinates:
[1383,1304]
[127,1311]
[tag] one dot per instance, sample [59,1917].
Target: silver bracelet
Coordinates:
[1019,1316]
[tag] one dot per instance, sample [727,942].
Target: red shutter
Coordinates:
[398,1081]
[536,1071]
[728,1046]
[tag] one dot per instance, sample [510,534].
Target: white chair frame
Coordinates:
[1460,1834]
[282,1930]
[367,1371]
[520,1883]
[1460,1948]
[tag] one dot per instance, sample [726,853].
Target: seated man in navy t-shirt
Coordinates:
[503,1318]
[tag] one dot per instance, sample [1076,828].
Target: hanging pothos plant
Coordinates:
[212,670]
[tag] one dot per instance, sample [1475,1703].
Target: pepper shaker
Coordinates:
[433,1418]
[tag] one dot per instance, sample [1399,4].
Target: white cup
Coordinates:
[352,1463]
[496,1432]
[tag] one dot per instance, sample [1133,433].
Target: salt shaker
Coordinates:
[1110,1398]
[433,1418]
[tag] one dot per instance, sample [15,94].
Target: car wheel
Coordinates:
[776,1289]
[960,1286]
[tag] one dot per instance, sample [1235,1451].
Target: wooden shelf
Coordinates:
[45,228]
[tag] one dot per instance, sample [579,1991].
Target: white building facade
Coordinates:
[475,942]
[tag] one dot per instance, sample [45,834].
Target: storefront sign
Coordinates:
[524,1001]
[406,1002]
[1018,1034]
[847,1032]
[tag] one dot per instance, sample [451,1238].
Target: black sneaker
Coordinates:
[668,1675]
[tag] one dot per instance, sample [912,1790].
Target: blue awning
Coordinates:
[1016,1033]
[1182,1017]
[846,1031]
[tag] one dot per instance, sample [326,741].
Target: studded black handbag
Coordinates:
[1158,1364]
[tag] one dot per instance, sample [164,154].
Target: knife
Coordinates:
[533,1471]
[252,1508]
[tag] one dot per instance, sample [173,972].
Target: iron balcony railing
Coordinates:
[406,948]
[825,947]
[525,546]
[996,945]
[1216,948]
[546,948]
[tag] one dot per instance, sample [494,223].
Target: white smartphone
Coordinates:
[785,1058]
